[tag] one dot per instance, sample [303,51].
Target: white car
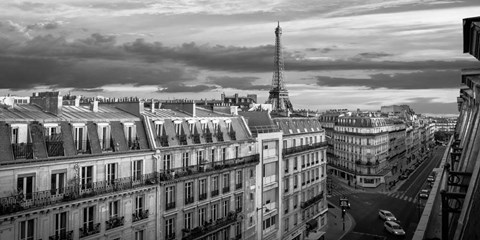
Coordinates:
[386,215]
[394,228]
[424,193]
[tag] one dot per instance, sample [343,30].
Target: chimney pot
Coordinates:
[94,106]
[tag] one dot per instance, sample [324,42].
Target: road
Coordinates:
[403,204]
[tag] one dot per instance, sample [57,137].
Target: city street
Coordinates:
[402,203]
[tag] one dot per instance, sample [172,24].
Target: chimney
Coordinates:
[234,110]
[50,102]
[77,101]
[94,106]
[152,108]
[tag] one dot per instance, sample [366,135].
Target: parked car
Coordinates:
[403,176]
[431,178]
[386,215]
[394,228]
[424,193]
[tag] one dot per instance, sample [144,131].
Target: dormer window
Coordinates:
[53,139]
[229,124]
[191,125]
[203,125]
[159,128]
[215,125]
[80,137]
[177,124]
[104,136]
[131,135]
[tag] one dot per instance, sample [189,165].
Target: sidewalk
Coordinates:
[335,224]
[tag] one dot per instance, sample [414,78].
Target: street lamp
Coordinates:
[344,204]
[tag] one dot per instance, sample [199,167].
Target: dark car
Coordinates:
[403,176]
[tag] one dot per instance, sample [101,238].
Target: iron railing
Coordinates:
[62,235]
[83,147]
[214,193]
[209,227]
[133,144]
[220,136]
[233,135]
[163,140]
[208,137]
[238,185]
[107,145]
[196,138]
[191,171]
[296,149]
[226,189]
[40,199]
[22,150]
[114,222]
[139,215]
[202,196]
[54,144]
[189,200]
[170,205]
[183,139]
[90,229]
[312,201]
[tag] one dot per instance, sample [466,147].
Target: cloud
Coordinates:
[428,79]
[369,55]
[88,89]
[180,87]
[429,105]
[44,25]
[242,83]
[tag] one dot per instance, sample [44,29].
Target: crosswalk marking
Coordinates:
[340,191]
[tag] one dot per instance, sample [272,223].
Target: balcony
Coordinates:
[238,186]
[194,170]
[63,235]
[54,144]
[163,140]
[214,193]
[139,215]
[18,202]
[182,138]
[107,145]
[226,190]
[291,150]
[89,230]
[83,147]
[170,236]
[220,136]
[114,222]
[312,201]
[196,138]
[22,150]
[170,205]
[133,144]
[209,227]
[233,135]
[189,200]
[202,196]
[208,137]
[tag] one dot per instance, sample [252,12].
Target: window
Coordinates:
[238,229]
[139,204]
[27,229]
[170,228]
[25,186]
[295,201]
[295,182]
[61,224]
[80,138]
[286,224]
[137,169]
[212,155]
[104,137]
[239,179]
[285,205]
[177,128]
[202,189]
[130,134]
[188,192]
[167,161]
[295,219]
[224,154]
[239,202]
[284,144]
[200,156]
[170,197]
[295,163]
[15,135]
[111,172]
[87,177]
[269,222]
[139,234]
[88,218]
[285,183]
[226,183]
[237,152]
[303,161]
[226,207]
[114,209]
[188,220]
[294,142]
[57,183]
[214,212]
[159,128]
[202,216]
[185,160]
[286,165]
[214,183]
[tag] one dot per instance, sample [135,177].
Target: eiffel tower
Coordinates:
[278,94]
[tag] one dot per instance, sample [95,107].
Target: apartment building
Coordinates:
[74,172]
[304,178]
[207,166]
[396,146]
[360,150]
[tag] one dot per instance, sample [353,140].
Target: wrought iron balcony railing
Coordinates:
[107,145]
[202,196]
[39,199]
[208,137]
[62,235]
[114,222]
[89,229]
[170,236]
[296,149]
[312,201]
[196,138]
[214,193]
[139,215]
[233,135]
[133,144]
[54,144]
[182,138]
[163,140]
[226,189]
[220,136]
[191,171]
[170,205]
[83,147]
[22,150]
[189,200]
[238,185]
[209,227]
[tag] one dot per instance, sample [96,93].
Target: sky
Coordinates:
[355,54]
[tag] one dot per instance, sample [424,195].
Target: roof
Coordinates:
[361,122]
[298,125]
[164,113]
